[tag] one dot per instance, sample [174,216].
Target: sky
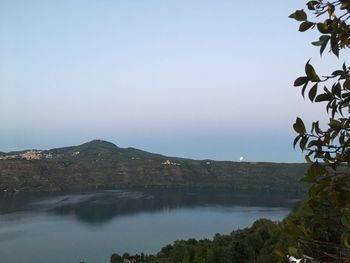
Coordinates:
[189,78]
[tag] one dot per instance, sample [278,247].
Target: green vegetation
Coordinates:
[254,244]
[322,230]
[102,165]
[265,241]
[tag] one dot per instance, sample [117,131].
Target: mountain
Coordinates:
[102,165]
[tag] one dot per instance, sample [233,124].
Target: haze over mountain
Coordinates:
[102,165]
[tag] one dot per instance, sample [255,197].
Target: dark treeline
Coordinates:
[254,244]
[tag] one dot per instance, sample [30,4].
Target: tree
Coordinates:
[115,258]
[322,226]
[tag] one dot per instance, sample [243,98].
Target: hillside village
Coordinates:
[28,155]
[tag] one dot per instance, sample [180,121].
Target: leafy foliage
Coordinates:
[322,226]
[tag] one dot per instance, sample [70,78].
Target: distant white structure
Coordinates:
[241,159]
[168,162]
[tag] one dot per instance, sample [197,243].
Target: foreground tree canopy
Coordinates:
[322,228]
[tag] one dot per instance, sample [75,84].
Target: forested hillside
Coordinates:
[100,164]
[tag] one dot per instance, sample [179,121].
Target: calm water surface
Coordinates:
[91,226]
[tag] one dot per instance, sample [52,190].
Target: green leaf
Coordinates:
[323,41]
[311,5]
[336,90]
[323,97]
[335,123]
[313,143]
[305,26]
[300,81]
[324,37]
[296,140]
[337,73]
[334,44]
[317,43]
[303,89]
[299,15]
[346,84]
[324,45]
[310,73]
[303,143]
[323,28]
[299,126]
[317,127]
[313,92]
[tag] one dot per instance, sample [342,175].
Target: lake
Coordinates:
[91,226]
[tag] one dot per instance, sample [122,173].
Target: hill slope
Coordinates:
[101,164]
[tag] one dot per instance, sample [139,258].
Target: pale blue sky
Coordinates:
[198,79]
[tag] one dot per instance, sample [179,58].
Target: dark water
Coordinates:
[92,226]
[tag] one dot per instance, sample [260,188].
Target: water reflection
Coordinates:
[10,235]
[91,226]
[104,206]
